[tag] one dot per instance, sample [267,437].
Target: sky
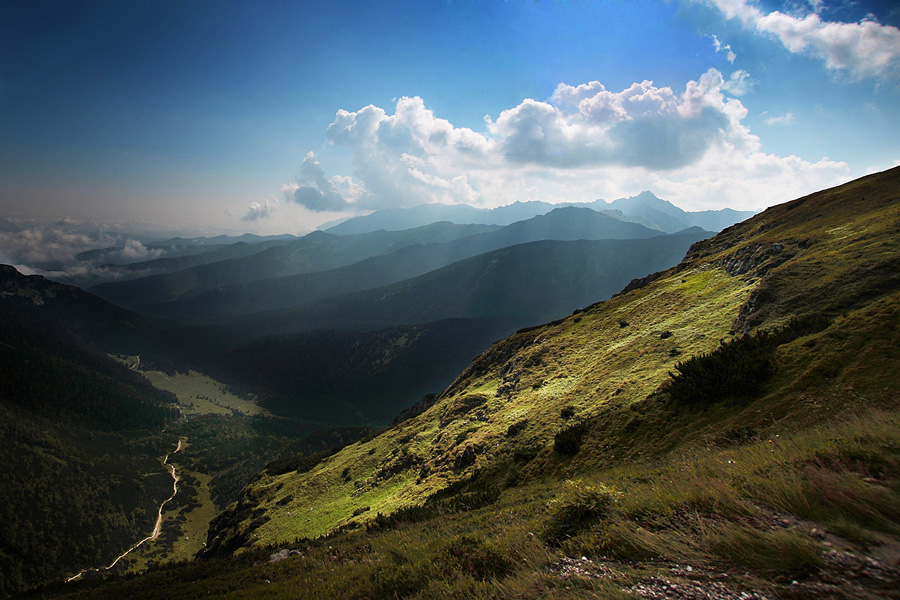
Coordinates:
[274,117]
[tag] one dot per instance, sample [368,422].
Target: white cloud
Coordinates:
[53,249]
[785,119]
[260,210]
[582,143]
[861,50]
[51,245]
[642,126]
[135,251]
[730,56]
[739,83]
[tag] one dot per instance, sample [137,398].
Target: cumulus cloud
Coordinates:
[260,210]
[583,142]
[313,190]
[866,49]
[642,126]
[402,158]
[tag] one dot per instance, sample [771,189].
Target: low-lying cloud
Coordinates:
[77,253]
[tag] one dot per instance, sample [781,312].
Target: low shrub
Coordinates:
[587,505]
[476,558]
[567,440]
[738,368]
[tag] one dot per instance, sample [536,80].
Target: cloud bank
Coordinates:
[52,250]
[584,142]
[866,49]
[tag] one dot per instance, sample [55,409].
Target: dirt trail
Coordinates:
[156,528]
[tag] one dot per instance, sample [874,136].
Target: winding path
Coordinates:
[156,528]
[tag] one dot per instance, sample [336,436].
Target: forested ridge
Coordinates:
[81,434]
[72,497]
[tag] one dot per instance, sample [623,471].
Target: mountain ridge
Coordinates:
[414,260]
[629,208]
[314,252]
[533,281]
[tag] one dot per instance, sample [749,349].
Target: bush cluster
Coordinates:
[567,440]
[737,368]
[588,504]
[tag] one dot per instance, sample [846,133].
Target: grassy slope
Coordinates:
[793,485]
[200,394]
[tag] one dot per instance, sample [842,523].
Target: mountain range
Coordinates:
[412,260]
[167,280]
[314,252]
[644,208]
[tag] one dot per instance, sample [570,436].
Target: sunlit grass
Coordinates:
[199,394]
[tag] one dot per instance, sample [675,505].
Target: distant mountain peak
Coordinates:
[647,199]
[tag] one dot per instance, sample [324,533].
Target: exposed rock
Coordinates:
[567,568]
[844,566]
[461,406]
[740,324]
[660,588]
[466,458]
[283,554]
[758,259]
[640,282]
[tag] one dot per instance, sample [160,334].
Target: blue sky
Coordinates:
[274,117]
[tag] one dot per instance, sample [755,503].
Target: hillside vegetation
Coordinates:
[603,455]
